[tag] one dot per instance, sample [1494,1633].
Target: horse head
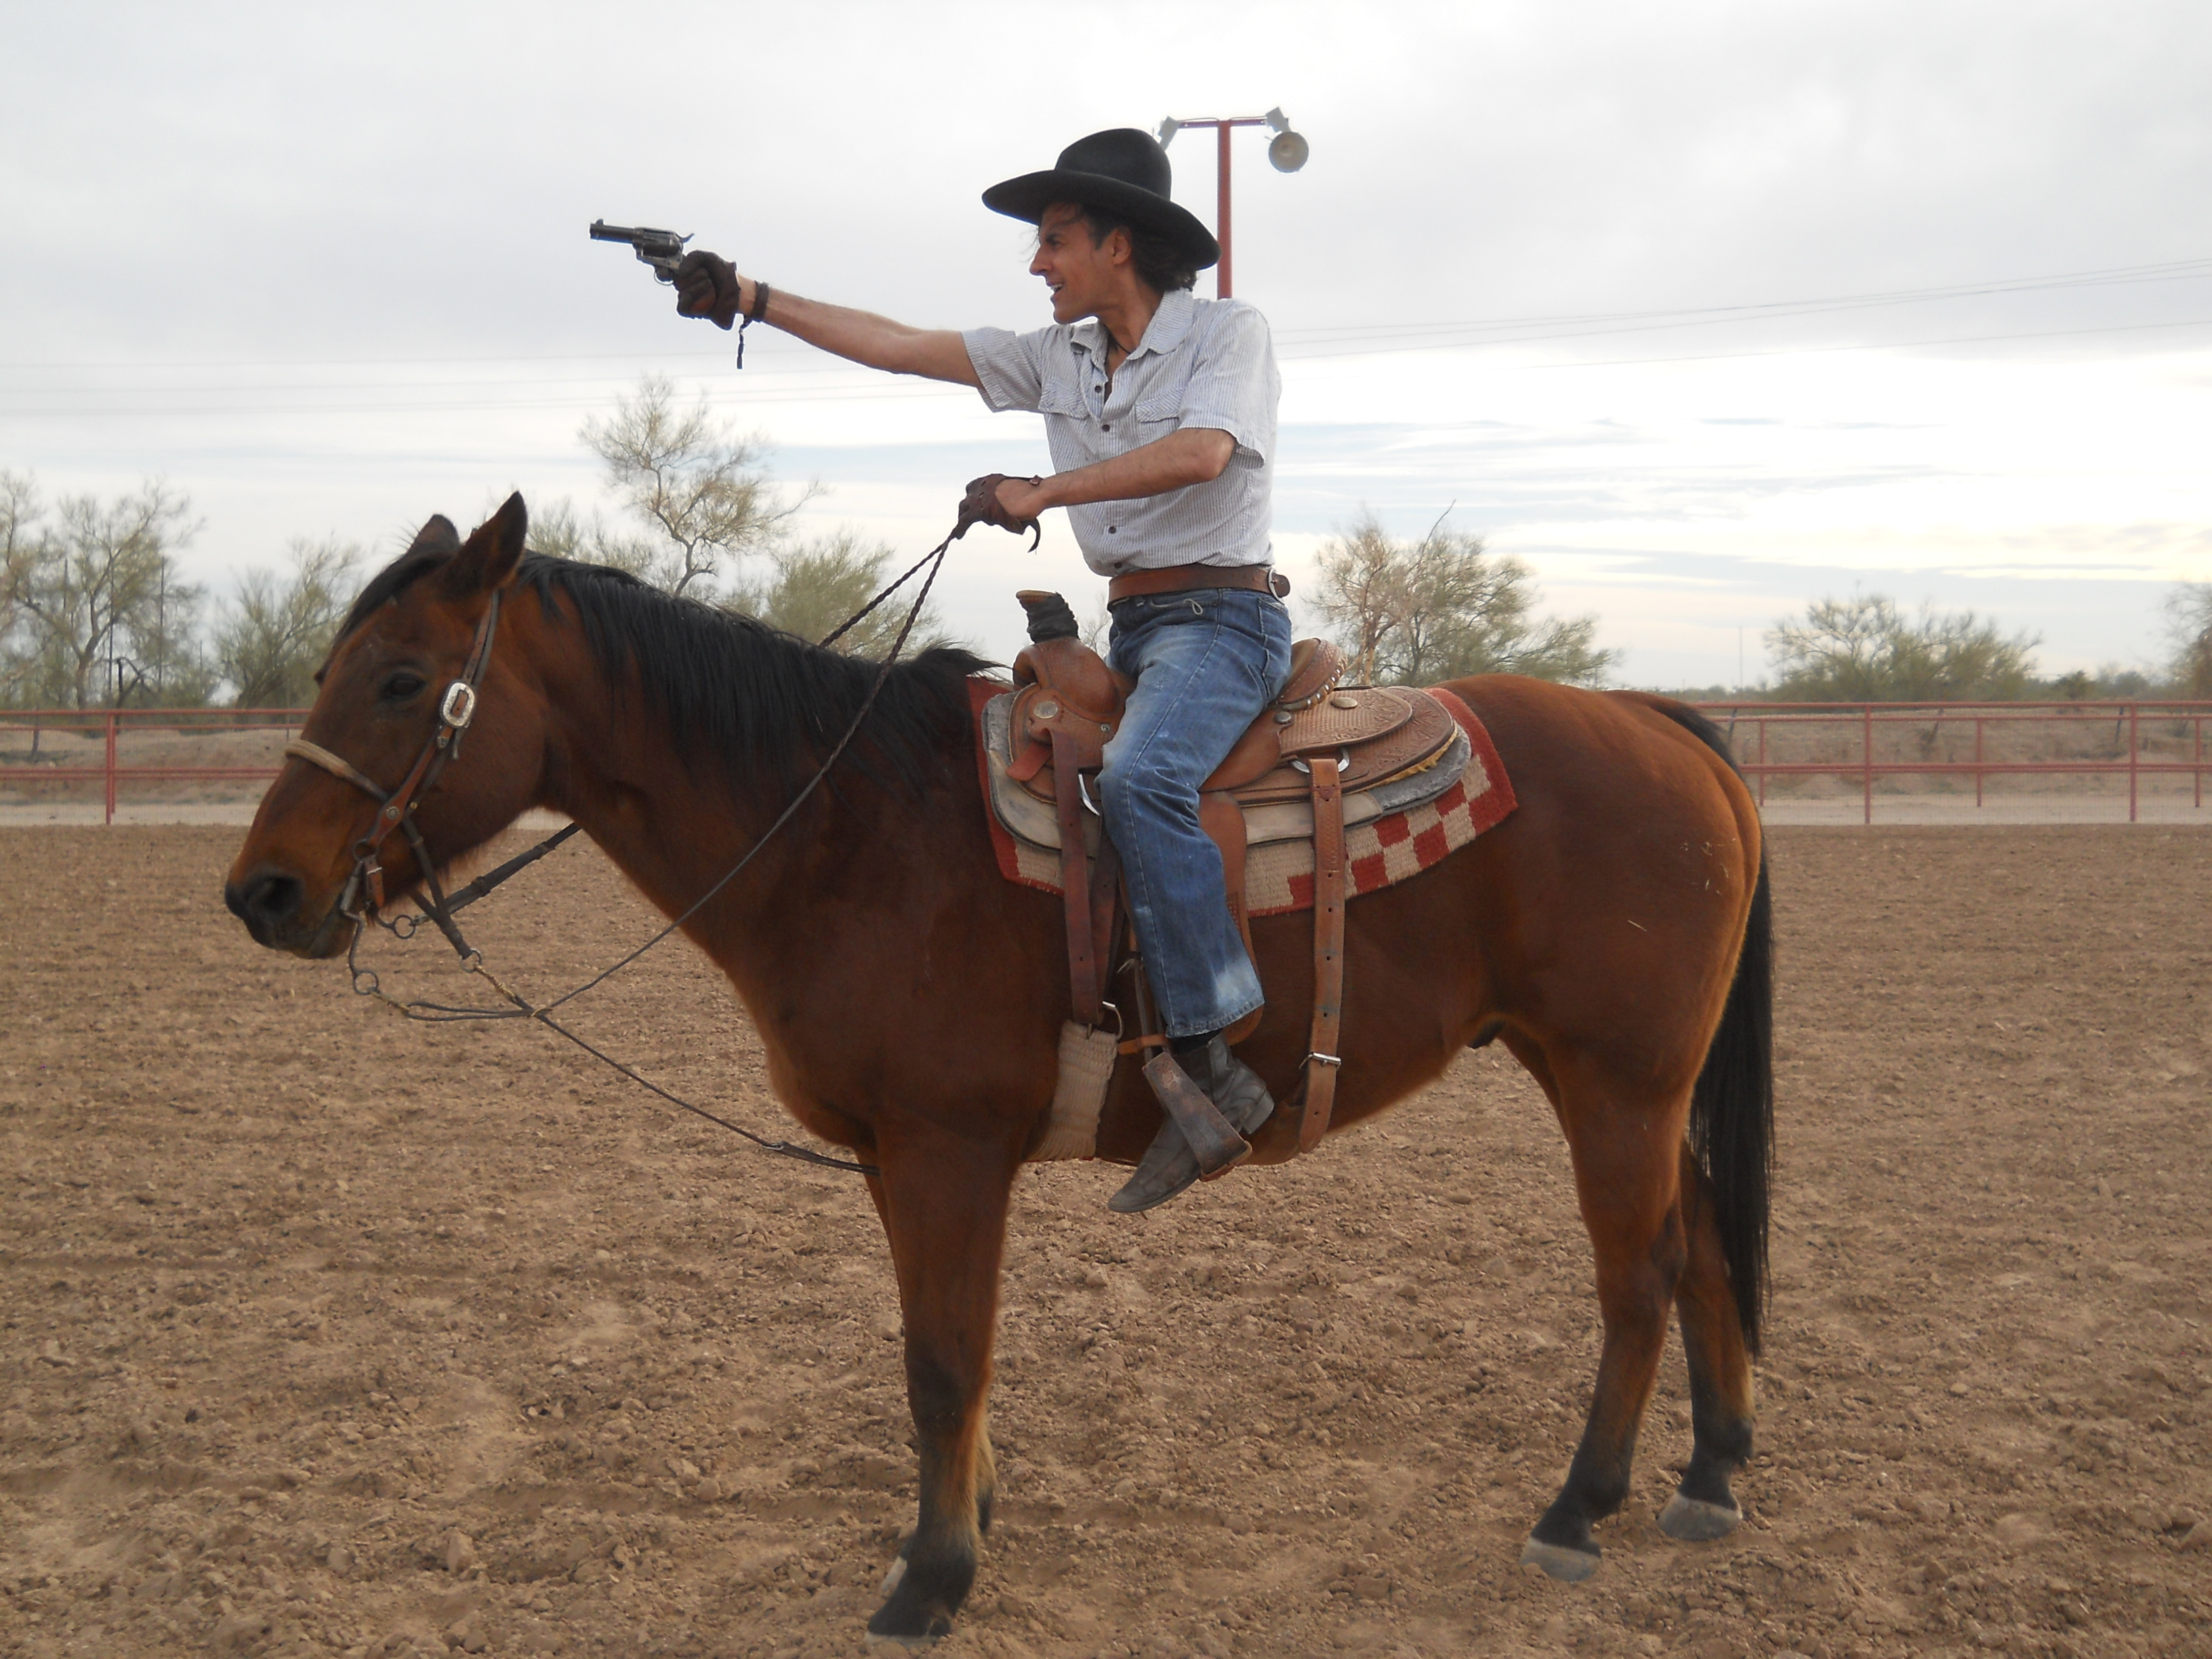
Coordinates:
[374,798]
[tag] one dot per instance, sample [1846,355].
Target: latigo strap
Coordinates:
[1321,1060]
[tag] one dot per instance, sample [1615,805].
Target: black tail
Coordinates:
[1732,1110]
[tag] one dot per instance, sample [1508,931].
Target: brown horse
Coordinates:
[1612,934]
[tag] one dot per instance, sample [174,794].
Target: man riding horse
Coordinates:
[1159,409]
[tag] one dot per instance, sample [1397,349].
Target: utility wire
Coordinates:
[735,400]
[1308,345]
[2166,270]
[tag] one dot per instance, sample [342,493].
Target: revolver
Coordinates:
[661,249]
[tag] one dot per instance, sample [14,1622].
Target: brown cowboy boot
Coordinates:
[1170,1166]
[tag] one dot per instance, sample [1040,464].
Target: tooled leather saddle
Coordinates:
[1318,740]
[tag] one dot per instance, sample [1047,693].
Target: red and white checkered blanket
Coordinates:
[1279,875]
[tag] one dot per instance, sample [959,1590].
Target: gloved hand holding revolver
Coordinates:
[708,285]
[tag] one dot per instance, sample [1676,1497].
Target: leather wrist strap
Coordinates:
[758,311]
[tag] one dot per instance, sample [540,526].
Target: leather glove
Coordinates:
[980,505]
[708,285]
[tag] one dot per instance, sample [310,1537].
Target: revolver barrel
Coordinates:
[661,249]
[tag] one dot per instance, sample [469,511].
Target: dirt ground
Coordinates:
[326,1334]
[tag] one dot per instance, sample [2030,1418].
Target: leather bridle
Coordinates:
[394,812]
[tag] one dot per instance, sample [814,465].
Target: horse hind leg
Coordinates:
[1721,1406]
[945,1215]
[1625,1173]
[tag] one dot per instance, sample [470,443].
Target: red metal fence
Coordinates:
[44,752]
[1789,747]
[1864,744]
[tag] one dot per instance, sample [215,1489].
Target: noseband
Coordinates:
[363,896]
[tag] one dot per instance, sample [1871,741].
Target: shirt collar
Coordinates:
[1169,326]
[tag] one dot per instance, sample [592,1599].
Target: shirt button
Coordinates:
[1111,528]
[1107,427]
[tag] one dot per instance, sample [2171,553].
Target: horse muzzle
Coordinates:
[272,903]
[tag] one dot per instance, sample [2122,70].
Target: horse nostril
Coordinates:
[266,900]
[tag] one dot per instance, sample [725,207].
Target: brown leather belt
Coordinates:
[1182,578]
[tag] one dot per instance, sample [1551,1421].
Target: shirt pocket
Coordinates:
[1159,407]
[1062,393]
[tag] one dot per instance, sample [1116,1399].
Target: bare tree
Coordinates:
[1442,607]
[1866,649]
[1361,589]
[698,489]
[277,631]
[21,550]
[156,659]
[89,595]
[2189,626]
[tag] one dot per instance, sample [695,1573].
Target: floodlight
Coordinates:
[1275,118]
[1167,129]
[1288,151]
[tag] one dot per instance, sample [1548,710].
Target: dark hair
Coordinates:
[1161,265]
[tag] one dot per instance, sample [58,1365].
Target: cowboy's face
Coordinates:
[1080,272]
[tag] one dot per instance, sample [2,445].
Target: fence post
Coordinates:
[1977,761]
[2200,761]
[1866,756]
[2133,744]
[111,766]
[1762,760]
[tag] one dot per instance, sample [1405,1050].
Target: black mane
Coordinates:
[389,583]
[751,696]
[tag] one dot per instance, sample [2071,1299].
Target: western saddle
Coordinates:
[1316,742]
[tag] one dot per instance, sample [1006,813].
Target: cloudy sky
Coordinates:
[1704,309]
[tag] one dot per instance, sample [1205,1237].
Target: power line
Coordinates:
[740,399]
[2165,270]
[2169,270]
[1772,351]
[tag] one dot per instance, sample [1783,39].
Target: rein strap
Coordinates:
[396,812]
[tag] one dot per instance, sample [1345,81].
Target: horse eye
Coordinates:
[402,686]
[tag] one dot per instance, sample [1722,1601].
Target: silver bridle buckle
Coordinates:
[460,707]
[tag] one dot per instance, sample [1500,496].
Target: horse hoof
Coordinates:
[1693,1521]
[878,1641]
[909,1632]
[1567,1565]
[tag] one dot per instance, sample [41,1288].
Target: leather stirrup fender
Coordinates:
[1322,1062]
[1084,992]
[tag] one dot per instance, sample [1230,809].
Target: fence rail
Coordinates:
[1861,743]
[41,748]
[1780,745]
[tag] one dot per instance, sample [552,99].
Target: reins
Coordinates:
[363,895]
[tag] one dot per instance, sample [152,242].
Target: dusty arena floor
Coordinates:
[329,1334]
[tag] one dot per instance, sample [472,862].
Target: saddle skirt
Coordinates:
[1421,779]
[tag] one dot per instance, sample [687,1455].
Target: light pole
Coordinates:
[1287,150]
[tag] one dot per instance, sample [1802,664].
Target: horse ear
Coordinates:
[493,552]
[437,535]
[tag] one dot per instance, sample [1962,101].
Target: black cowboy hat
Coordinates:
[1122,171]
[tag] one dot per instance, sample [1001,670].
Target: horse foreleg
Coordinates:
[943,1206]
[1721,1408]
[1626,1175]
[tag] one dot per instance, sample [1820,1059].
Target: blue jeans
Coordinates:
[1206,662]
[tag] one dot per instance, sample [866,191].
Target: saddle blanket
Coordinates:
[1391,832]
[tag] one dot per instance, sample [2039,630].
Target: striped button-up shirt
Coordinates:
[1206,363]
